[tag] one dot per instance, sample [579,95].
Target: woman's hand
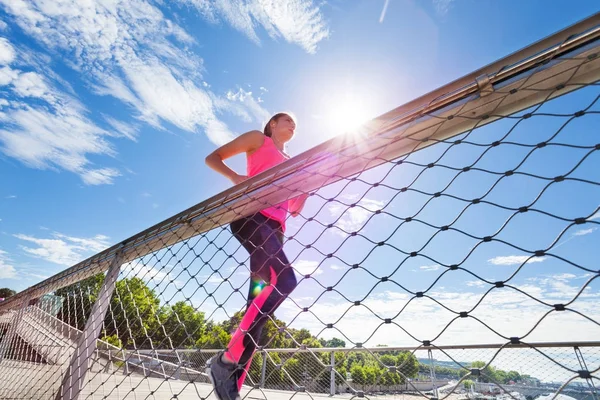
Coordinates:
[237,178]
[297,204]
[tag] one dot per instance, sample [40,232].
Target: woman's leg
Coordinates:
[272,279]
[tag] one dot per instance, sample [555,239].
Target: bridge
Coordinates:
[444,185]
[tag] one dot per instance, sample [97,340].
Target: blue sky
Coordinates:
[108,110]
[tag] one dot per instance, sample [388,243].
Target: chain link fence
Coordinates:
[468,216]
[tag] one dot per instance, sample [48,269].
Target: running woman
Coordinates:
[272,278]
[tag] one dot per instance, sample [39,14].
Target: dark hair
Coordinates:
[275,117]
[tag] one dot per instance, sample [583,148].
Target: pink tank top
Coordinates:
[265,157]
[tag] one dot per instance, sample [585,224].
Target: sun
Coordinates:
[347,116]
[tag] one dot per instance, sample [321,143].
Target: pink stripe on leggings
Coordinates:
[236,345]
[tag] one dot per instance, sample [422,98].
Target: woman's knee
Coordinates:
[286,282]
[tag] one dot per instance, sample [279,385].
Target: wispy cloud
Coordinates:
[306,267]
[132,52]
[62,249]
[12,196]
[515,260]
[442,6]
[384,10]
[429,267]
[7,271]
[52,133]
[352,219]
[475,283]
[583,232]
[297,21]
[122,128]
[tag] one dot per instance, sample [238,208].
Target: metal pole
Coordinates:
[584,367]
[75,374]
[432,373]
[263,371]
[332,377]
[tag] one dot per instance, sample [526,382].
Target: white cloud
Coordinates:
[442,6]
[100,176]
[131,51]
[12,196]
[352,219]
[306,267]
[297,21]
[63,249]
[515,260]
[7,52]
[386,3]
[475,283]
[122,128]
[43,139]
[56,134]
[7,271]
[243,104]
[564,276]
[336,267]
[143,271]
[3,25]
[429,267]
[596,215]
[583,232]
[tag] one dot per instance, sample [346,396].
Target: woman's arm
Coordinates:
[245,143]
[297,204]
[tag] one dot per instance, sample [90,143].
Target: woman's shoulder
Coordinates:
[255,139]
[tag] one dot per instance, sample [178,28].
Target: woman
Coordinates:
[272,278]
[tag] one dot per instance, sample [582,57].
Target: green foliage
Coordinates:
[468,383]
[213,336]
[333,342]
[357,372]
[79,299]
[182,325]
[134,316]
[6,293]
[114,340]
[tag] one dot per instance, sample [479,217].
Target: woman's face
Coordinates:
[283,128]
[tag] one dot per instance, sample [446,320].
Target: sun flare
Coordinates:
[347,116]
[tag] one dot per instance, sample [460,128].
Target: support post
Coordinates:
[75,374]
[332,376]
[584,367]
[263,371]
[432,373]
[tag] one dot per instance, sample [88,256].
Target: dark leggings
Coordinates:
[272,279]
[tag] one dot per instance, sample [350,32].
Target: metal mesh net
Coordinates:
[435,230]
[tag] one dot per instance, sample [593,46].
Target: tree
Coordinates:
[468,383]
[513,376]
[273,375]
[333,342]
[182,325]
[358,374]
[5,293]
[407,364]
[213,336]
[78,300]
[487,374]
[133,314]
